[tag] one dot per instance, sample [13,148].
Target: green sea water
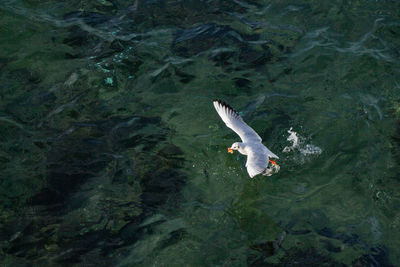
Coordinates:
[112,154]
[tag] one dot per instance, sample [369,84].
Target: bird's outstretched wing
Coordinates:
[233,120]
[257,162]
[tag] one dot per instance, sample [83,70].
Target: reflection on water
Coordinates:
[111,152]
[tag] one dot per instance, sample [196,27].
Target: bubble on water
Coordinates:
[310,150]
[109,81]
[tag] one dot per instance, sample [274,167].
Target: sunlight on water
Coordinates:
[111,152]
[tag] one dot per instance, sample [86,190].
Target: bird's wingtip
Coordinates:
[218,101]
[224,104]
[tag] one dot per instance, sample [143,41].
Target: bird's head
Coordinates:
[235,146]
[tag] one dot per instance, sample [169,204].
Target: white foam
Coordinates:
[310,150]
[292,138]
[298,143]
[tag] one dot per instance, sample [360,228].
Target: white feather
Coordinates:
[257,154]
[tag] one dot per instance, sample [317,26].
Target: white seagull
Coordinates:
[257,154]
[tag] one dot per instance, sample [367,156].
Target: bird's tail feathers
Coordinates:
[272,155]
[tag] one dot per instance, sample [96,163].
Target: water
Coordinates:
[111,152]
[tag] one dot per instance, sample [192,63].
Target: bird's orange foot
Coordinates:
[272,161]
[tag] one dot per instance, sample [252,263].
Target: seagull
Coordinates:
[258,155]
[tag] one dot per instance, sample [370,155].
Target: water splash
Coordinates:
[298,143]
[272,169]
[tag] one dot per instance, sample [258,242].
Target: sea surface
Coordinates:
[112,154]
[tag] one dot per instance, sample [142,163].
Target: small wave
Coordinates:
[370,43]
[105,27]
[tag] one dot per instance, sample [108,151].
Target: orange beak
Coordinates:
[272,161]
[230,150]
